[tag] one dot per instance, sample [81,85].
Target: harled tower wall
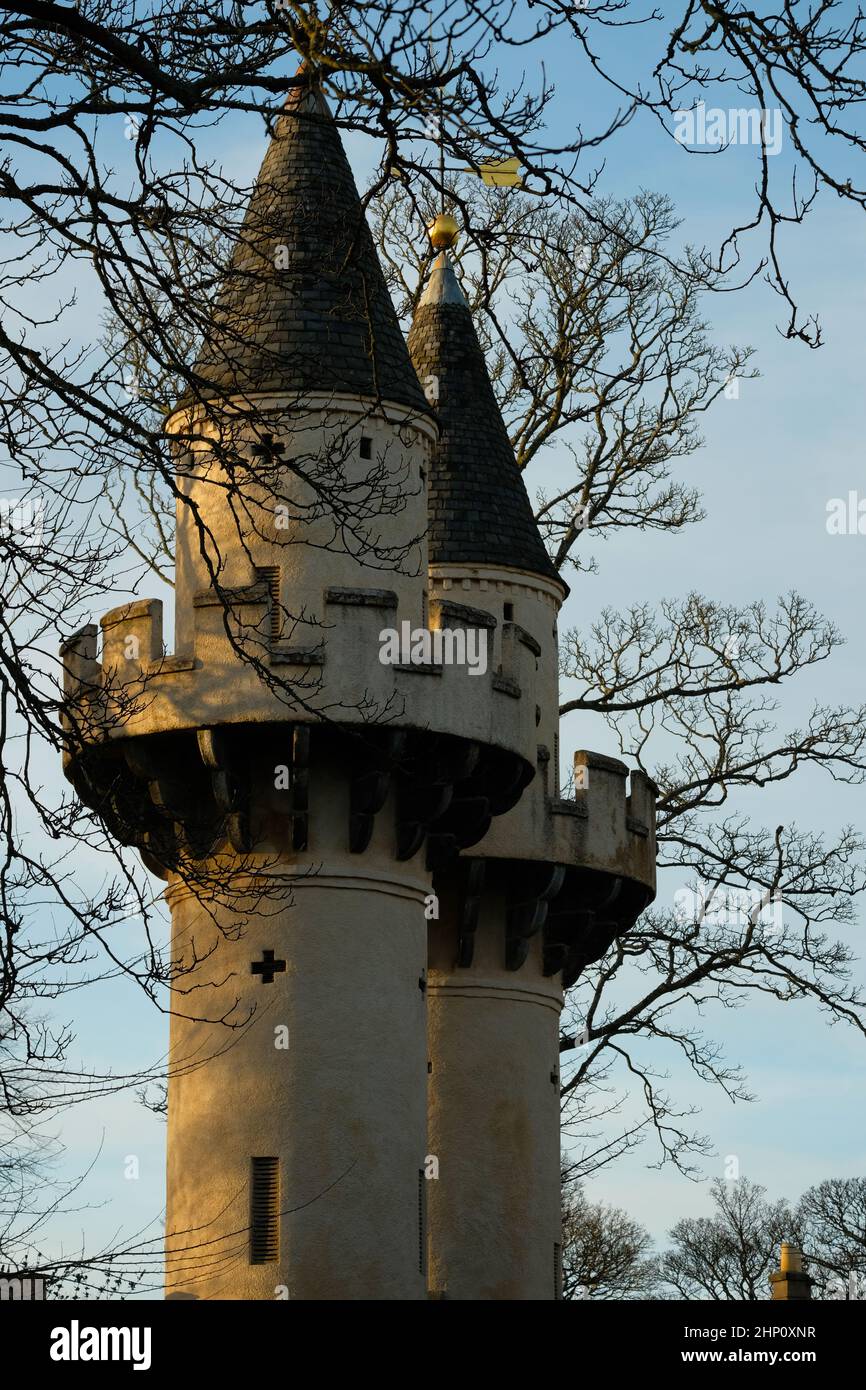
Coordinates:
[325,1073]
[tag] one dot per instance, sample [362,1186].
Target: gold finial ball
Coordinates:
[443,231]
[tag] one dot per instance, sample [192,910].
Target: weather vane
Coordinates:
[495,173]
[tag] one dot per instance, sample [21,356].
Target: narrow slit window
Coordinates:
[557,1271]
[265,1211]
[270,575]
[509,612]
[366,447]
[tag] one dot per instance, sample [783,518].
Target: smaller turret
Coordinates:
[553,880]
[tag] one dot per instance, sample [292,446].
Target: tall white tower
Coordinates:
[375,887]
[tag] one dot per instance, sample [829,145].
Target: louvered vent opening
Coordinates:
[270,575]
[556,765]
[265,1211]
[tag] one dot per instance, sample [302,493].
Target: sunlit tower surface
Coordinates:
[377,890]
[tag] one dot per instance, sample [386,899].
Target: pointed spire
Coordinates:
[480,512]
[443,286]
[304,306]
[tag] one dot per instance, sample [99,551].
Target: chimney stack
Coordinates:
[790,1280]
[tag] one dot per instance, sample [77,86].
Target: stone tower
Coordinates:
[376,889]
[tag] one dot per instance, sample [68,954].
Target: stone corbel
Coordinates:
[173,797]
[471,888]
[537,885]
[229,790]
[426,796]
[299,786]
[367,796]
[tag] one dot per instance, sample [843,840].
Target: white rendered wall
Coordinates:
[244,528]
[343,1106]
[494,1210]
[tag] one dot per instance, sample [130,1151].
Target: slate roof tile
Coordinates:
[480,512]
[327,323]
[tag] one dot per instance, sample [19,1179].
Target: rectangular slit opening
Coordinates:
[264,1211]
[270,575]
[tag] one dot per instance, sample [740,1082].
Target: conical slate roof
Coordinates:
[479,509]
[304,306]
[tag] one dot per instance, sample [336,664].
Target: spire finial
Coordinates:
[443,231]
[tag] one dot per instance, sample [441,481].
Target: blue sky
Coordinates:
[772,460]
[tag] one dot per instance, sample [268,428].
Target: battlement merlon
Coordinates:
[81,669]
[132,638]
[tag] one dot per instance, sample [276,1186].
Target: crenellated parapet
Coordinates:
[241,671]
[577,871]
[188,756]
